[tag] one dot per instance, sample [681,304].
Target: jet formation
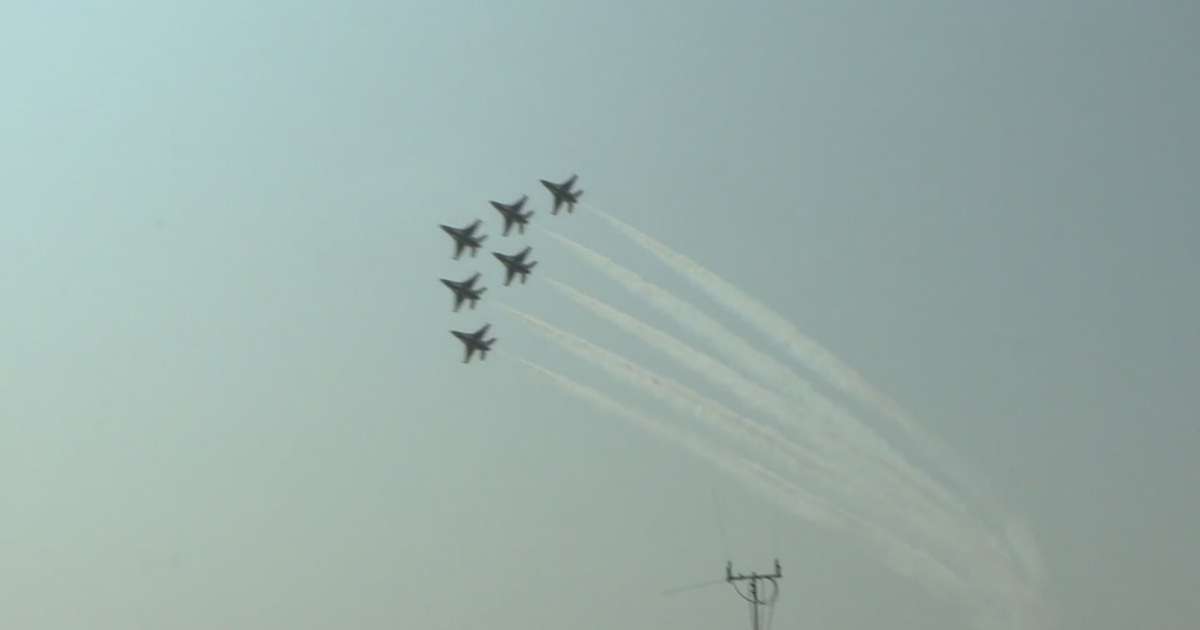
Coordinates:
[468,238]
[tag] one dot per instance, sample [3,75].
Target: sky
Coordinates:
[229,397]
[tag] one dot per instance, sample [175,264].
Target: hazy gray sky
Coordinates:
[228,397]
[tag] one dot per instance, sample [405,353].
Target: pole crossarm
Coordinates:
[755,596]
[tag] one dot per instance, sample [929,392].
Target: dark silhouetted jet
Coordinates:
[475,341]
[512,214]
[562,194]
[515,264]
[465,238]
[465,290]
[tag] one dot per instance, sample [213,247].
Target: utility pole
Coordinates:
[756,596]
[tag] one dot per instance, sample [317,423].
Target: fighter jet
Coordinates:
[465,290]
[515,264]
[465,238]
[475,341]
[562,193]
[512,214]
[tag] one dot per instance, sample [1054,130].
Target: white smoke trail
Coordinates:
[705,327]
[1020,538]
[1024,607]
[807,351]
[762,365]
[678,395]
[903,558]
[753,395]
[808,507]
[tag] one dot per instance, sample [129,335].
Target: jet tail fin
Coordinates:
[481,238]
